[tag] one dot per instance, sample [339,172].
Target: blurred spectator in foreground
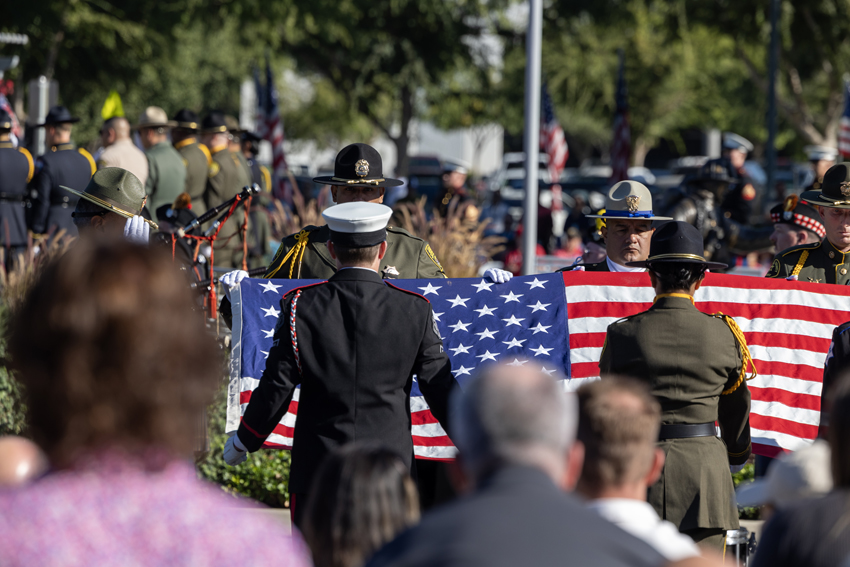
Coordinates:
[116,367]
[618,425]
[514,428]
[791,477]
[119,149]
[20,461]
[816,532]
[362,498]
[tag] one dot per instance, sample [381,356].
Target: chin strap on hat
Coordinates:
[747,358]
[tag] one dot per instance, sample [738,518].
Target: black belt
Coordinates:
[686,431]
[11,197]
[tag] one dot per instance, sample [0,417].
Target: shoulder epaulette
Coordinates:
[87,155]
[419,295]
[801,247]
[399,230]
[296,252]
[28,155]
[746,357]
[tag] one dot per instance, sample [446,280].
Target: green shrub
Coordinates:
[263,477]
[12,410]
[747,474]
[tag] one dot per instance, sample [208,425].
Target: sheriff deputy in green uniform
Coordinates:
[695,365]
[827,261]
[627,229]
[196,156]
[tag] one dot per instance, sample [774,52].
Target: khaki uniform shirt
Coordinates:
[166,176]
[225,179]
[126,155]
[692,363]
[820,262]
[197,159]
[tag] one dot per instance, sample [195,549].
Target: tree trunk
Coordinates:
[639,153]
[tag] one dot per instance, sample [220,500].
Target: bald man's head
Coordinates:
[20,461]
[114,130]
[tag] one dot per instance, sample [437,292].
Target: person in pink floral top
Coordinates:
[116,367]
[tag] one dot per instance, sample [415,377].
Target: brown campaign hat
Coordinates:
[154,117]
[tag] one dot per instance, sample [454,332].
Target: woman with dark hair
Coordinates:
[361,499]
[116,368]
[695,365]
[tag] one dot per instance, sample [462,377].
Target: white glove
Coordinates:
[231,280]
[736,468]
[137,231]
[234,452]
[498,276]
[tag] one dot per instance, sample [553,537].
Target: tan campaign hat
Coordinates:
[154,117]
[628,200]
[792,477]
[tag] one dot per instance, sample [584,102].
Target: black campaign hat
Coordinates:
[797,213]
[677,241]
[214,122]
[358,165]
[58,115]
[5,120]
[835,189]
[187,120]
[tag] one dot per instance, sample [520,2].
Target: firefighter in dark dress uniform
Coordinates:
[16,170]
[325,340]
[62,164]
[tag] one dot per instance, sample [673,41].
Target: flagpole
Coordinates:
[532,133]
[772,64]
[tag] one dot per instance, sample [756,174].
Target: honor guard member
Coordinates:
[628,228]
[225,179]
[821,158]
[62,165]
[112,206]
[119,149]
[260,174]
[196,156]
[454,185]
[327,338]
[794,223]
[695,365]
[739,201]
[16,170]
[826,261]
[235,146]
[166,171]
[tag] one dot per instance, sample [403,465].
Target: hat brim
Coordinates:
[169,124]
[103,203]
[753,494]
[214,130]
[193,126]
[386,182]
[606,216]
[705,263]
[814,198]
[71,120]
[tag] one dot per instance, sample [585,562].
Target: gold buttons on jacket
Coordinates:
[831,254]
[843,271]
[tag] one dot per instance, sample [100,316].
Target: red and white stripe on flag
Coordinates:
[844,136]
[555,145]
[788,327]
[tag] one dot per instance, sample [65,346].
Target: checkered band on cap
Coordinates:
[801,220]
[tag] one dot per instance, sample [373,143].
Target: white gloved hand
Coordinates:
[736,468]
[234,452]
[231,280]
[498,276]
[137,231]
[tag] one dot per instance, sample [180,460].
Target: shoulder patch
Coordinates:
[775,269]
[213,170]
[87,155]
[408,292]
[185,161]
[432,256]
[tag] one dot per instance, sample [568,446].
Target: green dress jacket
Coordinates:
[693,364]
[166,176]
[197,159]
[820,262]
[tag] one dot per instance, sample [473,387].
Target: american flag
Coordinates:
[552,139]
[270,127]
[16,126]
[844,127]
[621,144]
[479,321]
[788,326]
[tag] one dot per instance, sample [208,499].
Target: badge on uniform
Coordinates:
[633,203]
[390,273]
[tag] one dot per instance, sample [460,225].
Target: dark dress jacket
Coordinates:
[16,170]
[818,262]
[692,364]
[517,516]
[51,205]
[597,267]
[359,343]
[837,360]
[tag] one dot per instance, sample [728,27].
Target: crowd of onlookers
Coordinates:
[116,368]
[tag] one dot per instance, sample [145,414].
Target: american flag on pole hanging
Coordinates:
[844,125]
[270,127]
[621,145]
[480,322]
[560,320]
[552,139]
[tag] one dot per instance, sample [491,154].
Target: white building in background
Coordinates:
[480,148]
